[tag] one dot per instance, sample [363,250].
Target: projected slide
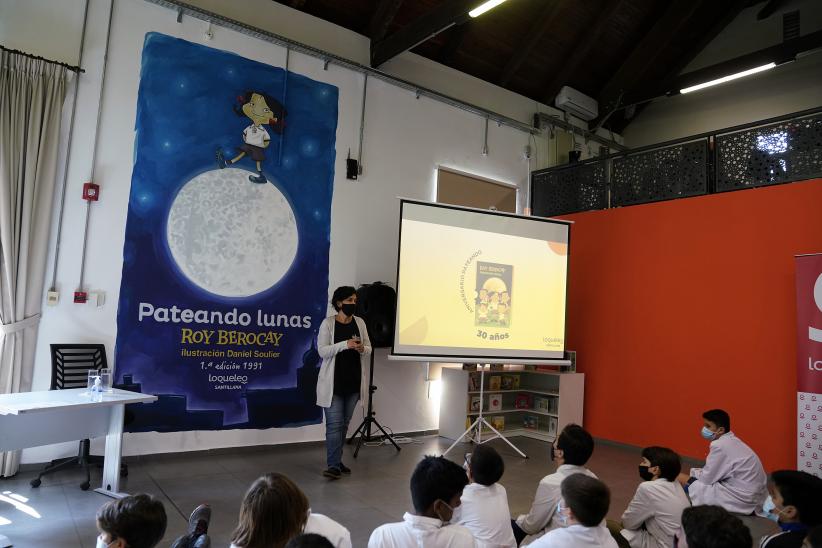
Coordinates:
[474,284]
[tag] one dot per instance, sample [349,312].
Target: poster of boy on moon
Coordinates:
[225,261]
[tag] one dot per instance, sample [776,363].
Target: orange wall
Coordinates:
[681,306]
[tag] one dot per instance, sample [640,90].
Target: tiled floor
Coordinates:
[59,514]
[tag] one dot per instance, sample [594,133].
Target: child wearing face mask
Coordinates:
[571,451]
[436,488]
[582,511]
[711,527]
[795,503]
[654,515]
[732,477]
[136,521]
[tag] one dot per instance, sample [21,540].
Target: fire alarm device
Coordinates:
[91,192]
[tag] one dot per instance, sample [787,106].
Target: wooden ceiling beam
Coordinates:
[670,25]
[544,21]
[455,37]
[382,18]
[581,50]
[448,14]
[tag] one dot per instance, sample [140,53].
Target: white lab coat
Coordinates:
[319,524]
[484,512]
[328,351]
[541,518]
[577,536]
[421,532]
[732,477]
[654,515]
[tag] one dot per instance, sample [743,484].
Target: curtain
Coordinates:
[31,101]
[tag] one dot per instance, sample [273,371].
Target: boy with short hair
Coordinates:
[654,515]
[712,527]
[796,503]
[436,488]
[733,476]
[484,509]
[571,451]
[585,502]
[136,521]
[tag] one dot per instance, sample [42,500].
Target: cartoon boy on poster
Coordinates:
[261,109]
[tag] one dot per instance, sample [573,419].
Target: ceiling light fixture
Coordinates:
[728,78]
[487,6]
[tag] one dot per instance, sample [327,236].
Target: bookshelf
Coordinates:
[545,401]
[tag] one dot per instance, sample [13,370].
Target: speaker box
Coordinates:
[377,305]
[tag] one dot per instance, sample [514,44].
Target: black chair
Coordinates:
[70,364]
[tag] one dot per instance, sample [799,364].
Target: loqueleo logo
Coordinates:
[814,333]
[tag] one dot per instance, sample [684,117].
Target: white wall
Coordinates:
[787,88]
[406,139]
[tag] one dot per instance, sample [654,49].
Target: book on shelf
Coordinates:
[510,382]
[473,382]
[495,402]
[522,401]
[475,404]
[552,426]
[530,422]
[542,404]
[495,382]
[498,422]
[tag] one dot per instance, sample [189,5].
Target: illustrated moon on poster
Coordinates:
[225,261]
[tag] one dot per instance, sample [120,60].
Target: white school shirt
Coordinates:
[541,518]
[576,536]
[484,512]
[732,477]
[328,528]
[253,135]
[655,514]
[421,532]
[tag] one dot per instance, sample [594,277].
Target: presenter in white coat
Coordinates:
[344,346]
[732,477]
[654,515]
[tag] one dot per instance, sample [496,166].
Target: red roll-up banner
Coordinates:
[809,362]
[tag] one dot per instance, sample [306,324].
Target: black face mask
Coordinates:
[644,473]
[348,309]
[553,456]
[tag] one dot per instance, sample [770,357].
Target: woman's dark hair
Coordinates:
[140,520]
[273,511]
[719,417]
[587,497]
[714,527]
[576,444]
[436,478]
[341,294]
[803,491]
[669,462]
[309,540]
[487,466]
[277,109]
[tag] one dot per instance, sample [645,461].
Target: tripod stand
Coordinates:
[364,429]
[480,421]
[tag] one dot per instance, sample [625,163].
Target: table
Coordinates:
[30,419]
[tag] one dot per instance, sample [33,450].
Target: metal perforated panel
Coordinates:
[666,173]
[767,155]
[570,189]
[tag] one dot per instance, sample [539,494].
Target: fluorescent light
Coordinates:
[728,78]
[489,5]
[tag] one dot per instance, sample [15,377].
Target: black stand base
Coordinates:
[364,429]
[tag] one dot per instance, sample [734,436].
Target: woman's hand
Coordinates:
[353,344]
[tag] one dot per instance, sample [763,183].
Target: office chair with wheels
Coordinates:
[70,364]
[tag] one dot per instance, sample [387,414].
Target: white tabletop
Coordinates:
[51,400]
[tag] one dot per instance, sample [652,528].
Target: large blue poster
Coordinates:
[225,263]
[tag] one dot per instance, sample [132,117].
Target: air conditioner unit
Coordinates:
[576,103]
